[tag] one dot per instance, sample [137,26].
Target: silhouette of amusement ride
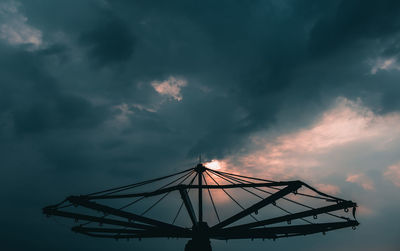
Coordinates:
[107,214]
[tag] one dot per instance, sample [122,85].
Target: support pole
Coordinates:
[200,240]
[196,245]
[201,197]
[200,169]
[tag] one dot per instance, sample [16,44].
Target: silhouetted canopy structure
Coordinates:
[266,209]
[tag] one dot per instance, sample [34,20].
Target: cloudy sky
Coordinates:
[98,93]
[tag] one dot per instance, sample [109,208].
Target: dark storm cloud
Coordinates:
[352,23]
[36,102]
[111,40]
[249,66]
[57,111]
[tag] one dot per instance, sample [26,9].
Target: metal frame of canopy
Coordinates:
[122,224]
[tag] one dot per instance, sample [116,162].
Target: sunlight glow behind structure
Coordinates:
[215,164]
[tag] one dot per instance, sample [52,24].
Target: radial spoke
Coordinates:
[212,200]
[230,196]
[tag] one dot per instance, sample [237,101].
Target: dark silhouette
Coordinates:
[118,223]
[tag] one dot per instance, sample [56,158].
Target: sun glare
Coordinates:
[214,164]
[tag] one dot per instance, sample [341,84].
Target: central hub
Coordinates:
[200,168]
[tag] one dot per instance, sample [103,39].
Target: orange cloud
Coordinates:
[307,153]
[170,87]
[362,210]
[327,188]
[392,173]
[362,180]
[345,144]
